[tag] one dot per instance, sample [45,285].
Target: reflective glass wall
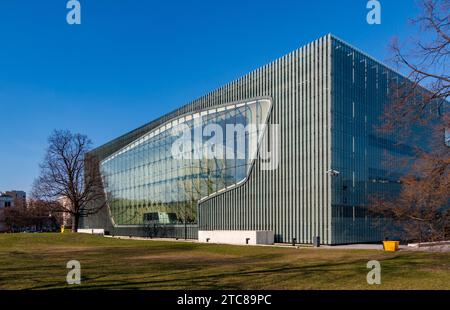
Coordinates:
[146,184]
[360,152]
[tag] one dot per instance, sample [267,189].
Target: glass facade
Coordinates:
[360,152]
[145,182]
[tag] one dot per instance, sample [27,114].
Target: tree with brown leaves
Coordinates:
[35,215]
[418,115]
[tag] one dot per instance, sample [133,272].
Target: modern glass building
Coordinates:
[324,99]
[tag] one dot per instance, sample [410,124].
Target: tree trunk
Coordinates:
[75,222]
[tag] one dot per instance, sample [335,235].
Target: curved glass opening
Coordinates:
[159,178]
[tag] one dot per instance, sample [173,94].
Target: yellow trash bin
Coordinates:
[391,246]
[62,229]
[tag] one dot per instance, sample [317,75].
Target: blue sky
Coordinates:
[132,61]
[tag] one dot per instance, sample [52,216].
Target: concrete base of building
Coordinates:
[238,237]
[92,231]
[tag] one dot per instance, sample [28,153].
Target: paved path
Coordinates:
[379,247]
[436,248]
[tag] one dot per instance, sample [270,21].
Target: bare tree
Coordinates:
[69,173]
[417,114]
[426,56]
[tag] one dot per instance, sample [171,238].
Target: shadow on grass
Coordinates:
[214,281]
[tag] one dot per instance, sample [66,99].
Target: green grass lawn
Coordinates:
[38,261]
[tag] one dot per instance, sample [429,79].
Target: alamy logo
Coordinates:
[74,15]
[74,275]
[374,15]
[241,142]
[374,275]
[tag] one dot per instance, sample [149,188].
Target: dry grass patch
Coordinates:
[38,261]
